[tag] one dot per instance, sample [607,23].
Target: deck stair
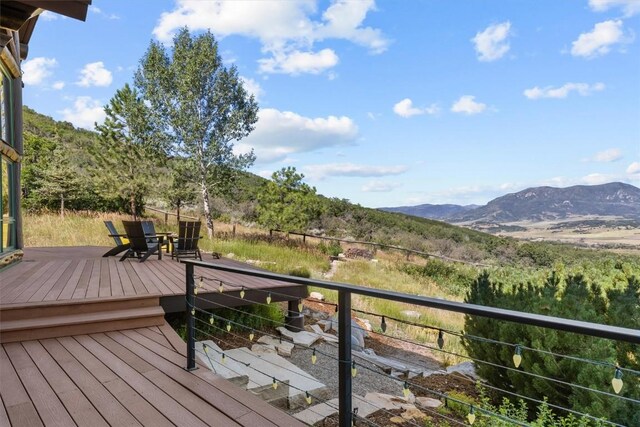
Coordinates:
[32,321]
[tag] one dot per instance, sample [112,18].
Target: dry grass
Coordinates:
[87,229]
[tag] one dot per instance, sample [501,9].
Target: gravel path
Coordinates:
[326,371]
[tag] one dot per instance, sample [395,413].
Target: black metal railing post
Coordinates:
[191,323]
[344,358]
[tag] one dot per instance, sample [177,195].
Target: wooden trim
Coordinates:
[10,62]
[10,152]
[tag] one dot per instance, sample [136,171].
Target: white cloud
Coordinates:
[599,41]
[629,7]
[377,186]
[36,70]
[492,43]
[48,16]
[85,112]
[634,169]
[94,74]
[323,171]
[253,87]
[406,109]
[467,105]
[279,134]
[563,91]
[597,178]
[96,10]
[58,85]
[297,62]
[607,156]
[287,30]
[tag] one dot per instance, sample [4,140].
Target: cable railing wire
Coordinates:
[435,328]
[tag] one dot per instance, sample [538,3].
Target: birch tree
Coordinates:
[202,107]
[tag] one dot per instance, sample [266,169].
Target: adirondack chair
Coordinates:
[186,243]
[121,241]
[140,246]
[149,229]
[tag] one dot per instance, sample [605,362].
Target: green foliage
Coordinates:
[333,248]
[181,190]
[571,297]
[286,203]
[452,277]
[201,107]
[127,161]
[300,272]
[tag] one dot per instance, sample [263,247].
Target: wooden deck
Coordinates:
[129,377]
[84,342]
[72,273]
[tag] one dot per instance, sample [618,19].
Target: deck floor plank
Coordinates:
[175,412]
[51,410]
[138,286]
[19,273]
[117,289]
[122,392]
[38,294]
[134,342]
[60,283]
[69,288]
[105,403]
[156,337]
[80,290]
[104,289]
[17,402]
[76,403]
[32,282]
[125,280]
[93,289]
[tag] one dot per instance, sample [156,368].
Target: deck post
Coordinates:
[191,323]
[344,358]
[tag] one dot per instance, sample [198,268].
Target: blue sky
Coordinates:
[387,102]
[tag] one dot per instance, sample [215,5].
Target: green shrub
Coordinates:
[300,272]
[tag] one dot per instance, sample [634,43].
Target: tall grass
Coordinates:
[279,255]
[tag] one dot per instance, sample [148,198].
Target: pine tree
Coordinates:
[286,203]
[129,158]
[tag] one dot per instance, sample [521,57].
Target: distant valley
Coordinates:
[606,214]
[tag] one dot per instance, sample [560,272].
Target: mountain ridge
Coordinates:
[541,204]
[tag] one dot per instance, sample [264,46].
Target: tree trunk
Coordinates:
[207,209]
[132,206]
[62,206]
[178,211]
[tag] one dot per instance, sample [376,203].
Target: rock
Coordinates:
[385,401]
[428,402]
[326,324]
[316,295]
[375,261]
[301,338]
[364,324]
[411,314]
[231,255]
[413,414]
[397,420]
[315,414]
[341,255]
[354,253]
[283,348]
[464,368]
[263,349]
[327,337]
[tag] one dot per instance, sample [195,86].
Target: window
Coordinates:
[7,231]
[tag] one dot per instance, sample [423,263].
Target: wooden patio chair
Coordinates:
[121,241]
[149,229]
[140,246]
[186,243]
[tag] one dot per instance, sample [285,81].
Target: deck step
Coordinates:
[33,310]
[80,323]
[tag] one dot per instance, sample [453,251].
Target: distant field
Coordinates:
[603,232]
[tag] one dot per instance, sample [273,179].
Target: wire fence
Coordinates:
[213,324]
